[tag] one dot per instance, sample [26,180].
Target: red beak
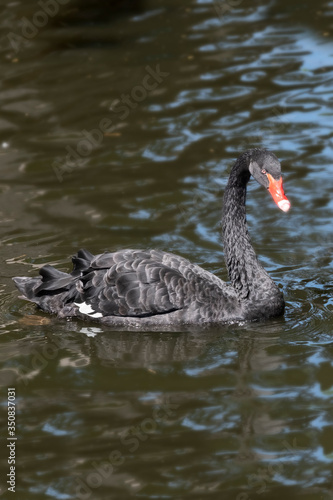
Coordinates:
[276,190]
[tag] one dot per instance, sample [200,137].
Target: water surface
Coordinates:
[168,95]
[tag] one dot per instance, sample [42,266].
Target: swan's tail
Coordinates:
[54,289]
[26,287]
[51,280]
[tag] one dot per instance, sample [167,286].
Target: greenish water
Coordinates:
[119,123]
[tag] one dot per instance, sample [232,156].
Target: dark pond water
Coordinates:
[168,94]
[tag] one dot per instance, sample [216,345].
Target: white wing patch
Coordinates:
[85,308]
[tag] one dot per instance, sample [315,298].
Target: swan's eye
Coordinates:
[263,171]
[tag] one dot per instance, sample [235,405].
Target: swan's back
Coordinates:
[151,287]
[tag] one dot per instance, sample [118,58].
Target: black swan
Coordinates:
[152,289]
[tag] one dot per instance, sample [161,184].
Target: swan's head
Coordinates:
[266,169]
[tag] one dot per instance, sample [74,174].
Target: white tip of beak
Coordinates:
[284,205]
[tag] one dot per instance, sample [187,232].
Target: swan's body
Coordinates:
[151,289]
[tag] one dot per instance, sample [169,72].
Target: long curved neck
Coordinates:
[245,272]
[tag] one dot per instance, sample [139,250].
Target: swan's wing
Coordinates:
[129,283]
